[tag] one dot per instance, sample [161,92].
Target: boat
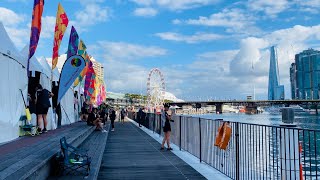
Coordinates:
[276,110]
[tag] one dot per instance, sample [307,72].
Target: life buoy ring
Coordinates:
[219,135]
[223,136]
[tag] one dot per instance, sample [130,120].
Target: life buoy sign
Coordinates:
[223,136]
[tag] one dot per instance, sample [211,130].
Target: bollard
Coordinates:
[289,146]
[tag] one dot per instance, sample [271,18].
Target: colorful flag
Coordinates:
[35,27]
[61,26]
[89,82]
[73,43]
[70,71]
[82,52]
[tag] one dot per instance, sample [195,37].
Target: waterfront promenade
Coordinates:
[131,153]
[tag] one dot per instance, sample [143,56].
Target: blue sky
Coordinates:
[205,48]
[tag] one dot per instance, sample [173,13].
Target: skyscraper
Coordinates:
[275,91]
[305,75]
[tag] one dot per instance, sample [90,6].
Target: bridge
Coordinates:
[251,105]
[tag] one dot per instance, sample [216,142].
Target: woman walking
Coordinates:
[42,107]
[166,128]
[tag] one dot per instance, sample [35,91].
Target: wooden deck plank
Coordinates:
[20,158]
[132,154]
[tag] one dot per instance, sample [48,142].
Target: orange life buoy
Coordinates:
[223,136]
[219,135]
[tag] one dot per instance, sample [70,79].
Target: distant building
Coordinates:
[305,75]
[275,91]
[98,68]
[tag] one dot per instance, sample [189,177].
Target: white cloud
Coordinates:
[176,21]
[13,22]
[256,51]
[196,38]
[143,2]
[145,12]
[92,14]
[24,1]
[270,8]
[48,24]
[10,18]
[126,51]
[19,36]
[310,3]
[235,20]
[124,77]
[174,5]
[184,4]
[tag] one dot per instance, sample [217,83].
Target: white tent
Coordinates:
[45,81]
[13,78]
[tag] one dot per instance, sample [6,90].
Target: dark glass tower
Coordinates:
[275,91]
[305,75]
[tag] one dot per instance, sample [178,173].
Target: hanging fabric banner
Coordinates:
[73,43]
[35,28]
[70,71]
[61,26]
[82,52]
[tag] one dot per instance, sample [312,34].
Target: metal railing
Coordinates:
[254,152]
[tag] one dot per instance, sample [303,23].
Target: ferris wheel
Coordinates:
[155,89]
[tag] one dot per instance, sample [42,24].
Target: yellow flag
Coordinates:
[61,26]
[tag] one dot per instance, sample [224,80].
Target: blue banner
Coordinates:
[70,71]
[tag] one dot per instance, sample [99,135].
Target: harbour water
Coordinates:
[307,121]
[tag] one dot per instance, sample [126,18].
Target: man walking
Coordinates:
[112,117]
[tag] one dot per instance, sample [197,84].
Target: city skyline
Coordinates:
[204,48]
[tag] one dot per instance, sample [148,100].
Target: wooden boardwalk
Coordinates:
[130,153]
[29,157]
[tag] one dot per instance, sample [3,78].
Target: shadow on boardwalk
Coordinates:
[132,154]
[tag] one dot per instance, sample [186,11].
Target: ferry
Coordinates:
[276,110]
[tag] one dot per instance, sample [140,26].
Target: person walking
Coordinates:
[140,116]
[166,127]
[112,117]
[42,107]
[123,114]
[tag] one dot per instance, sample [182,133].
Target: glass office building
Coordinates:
[305,75]
[275,91]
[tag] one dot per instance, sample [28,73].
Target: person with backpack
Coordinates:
[42,106]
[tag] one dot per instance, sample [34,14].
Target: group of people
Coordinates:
[98,116]
[95,116]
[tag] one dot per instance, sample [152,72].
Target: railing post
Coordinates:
[200,138]
[154,122]
[237,152]
[160,122]
[180,132]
